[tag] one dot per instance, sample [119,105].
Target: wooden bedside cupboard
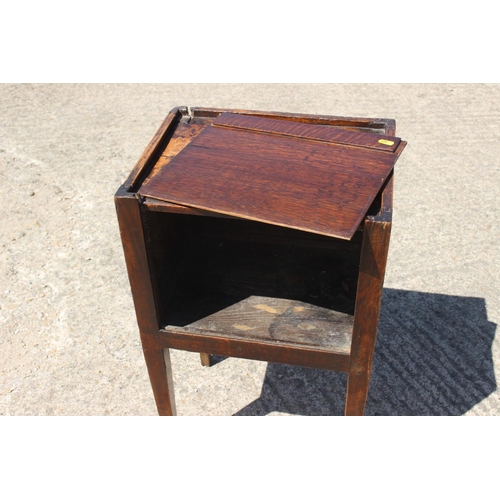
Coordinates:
[260,235]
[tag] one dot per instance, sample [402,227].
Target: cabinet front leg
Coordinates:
[369,296]
[160,375]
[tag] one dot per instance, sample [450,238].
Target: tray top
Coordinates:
[315,178]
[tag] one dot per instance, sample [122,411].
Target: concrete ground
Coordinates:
[69,342]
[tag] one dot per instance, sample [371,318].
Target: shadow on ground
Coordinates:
[433,357]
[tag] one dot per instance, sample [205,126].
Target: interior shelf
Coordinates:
[279,320]
[244,279]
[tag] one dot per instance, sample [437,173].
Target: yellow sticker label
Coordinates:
[386,142]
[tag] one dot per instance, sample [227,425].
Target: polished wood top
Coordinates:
[307,131]
[316,178]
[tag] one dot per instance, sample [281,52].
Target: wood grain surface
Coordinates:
[319,187]
[281,320]
[324,133]
[239,223]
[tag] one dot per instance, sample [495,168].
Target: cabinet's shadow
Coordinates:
[433,357]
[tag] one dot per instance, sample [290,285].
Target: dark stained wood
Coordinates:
[325,133]
[184,339]
[164,206]
[316,187]
[384,212]
[388,126]
[134,247]
[200,118]
[369,295]
[233,283]
[160,375]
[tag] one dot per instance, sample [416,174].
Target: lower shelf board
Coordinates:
[279,320]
